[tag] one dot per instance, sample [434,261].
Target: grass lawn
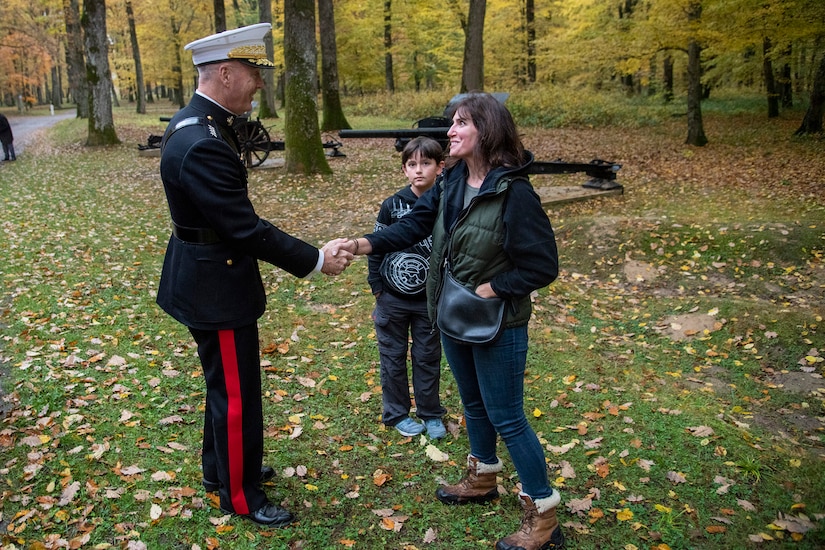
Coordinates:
[674,374]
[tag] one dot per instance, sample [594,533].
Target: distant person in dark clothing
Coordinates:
[7,138]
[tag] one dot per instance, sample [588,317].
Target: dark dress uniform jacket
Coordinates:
[210,278]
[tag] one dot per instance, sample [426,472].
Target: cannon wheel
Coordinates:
[254,140]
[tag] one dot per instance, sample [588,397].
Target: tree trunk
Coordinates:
[812,122]
[416,71]
[57,87]
[667,78]
[267,108]
[220,16]
[141,89]
[75,62]
[98,75]
[177,71]
[304,151]
[115,100]
[333,115]
[388,72]
[530,22]
[472,71]
[785,84]
[770,81]
[696,132]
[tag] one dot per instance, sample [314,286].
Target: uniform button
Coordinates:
[229,261]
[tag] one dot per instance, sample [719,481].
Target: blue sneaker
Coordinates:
[409,427]
[435,428]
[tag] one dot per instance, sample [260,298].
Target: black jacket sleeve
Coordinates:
[529,242]
[412,228]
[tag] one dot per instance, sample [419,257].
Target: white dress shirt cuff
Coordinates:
[318,265]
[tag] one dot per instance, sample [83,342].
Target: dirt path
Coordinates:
[27,127]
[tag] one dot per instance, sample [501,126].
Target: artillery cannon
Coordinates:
[254,140]
[602,173]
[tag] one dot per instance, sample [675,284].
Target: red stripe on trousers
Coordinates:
[234,420]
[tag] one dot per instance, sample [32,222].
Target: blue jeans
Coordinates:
[491,384]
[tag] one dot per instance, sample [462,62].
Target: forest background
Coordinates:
[642,48]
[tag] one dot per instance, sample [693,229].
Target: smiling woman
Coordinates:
[492,236]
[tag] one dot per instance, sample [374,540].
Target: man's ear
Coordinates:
[225,71]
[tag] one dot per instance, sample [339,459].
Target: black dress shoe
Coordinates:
[270,515]
[267,473]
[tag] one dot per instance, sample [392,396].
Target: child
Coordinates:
[398,281]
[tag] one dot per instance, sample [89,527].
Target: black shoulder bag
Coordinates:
[465,316]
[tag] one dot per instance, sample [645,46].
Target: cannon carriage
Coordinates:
[602,173]
[254,139]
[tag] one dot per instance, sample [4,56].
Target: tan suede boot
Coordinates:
[539,527]
[479,484]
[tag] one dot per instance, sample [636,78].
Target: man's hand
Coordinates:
[336,257]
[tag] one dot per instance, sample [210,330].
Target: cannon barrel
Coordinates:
[596,168]
[435,133]
[601,170]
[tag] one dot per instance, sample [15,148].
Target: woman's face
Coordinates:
[463,135]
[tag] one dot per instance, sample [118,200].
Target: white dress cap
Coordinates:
[245,44]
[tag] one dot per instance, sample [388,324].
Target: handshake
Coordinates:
[339,253]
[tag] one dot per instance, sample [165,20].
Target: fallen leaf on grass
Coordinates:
[602,467]
[725,484]
[577,505]
[564,448]
[435,454]
[722,519]
[69,493]
[306,382]
[380,477]
[700,431]
[793,524]
[131,470]
[624,515]
[35,440]
[745,505]
[567,470]
[578,527]
[395,523]
[163,476]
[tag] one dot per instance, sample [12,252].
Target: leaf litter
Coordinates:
[689,271]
